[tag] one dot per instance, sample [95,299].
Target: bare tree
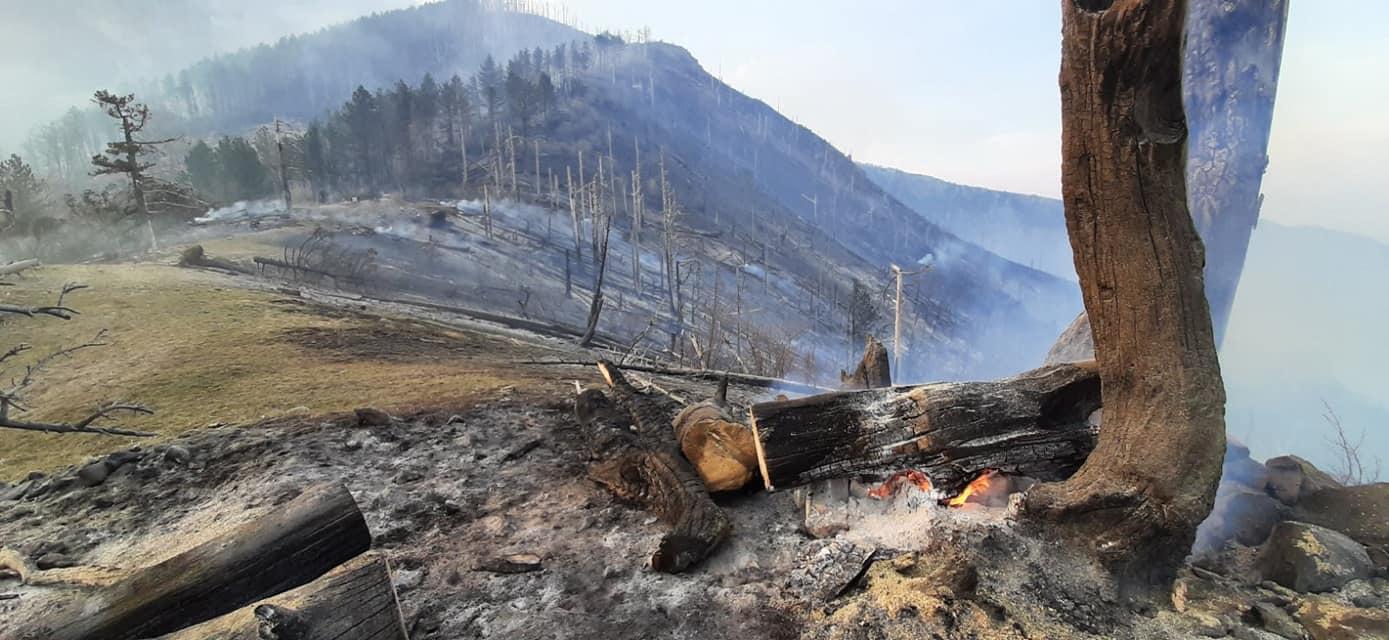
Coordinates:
[1152,477]
[12,399]
[1351,467]
[603,220]
[123,156]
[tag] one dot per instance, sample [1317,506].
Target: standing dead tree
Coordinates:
[605,221]
[123,156]
[1152,477]
[12,398]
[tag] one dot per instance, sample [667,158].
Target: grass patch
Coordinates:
[199,350]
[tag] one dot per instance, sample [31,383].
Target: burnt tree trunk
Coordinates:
[1034,424]
[1234,50]
[872,372]
[355,601]
[1152,477]
[286,548]
[637,459]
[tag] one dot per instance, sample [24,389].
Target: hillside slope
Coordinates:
[1026,229]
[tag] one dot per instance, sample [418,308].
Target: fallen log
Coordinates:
[745,379]
[638,460]
[18,266]
[263,262]
[288,547]
[1034,424]
[355,601]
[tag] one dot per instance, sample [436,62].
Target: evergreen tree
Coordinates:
[203,170]
[489,81]
[123,156]
[363,119]
[316,161]
[245,176]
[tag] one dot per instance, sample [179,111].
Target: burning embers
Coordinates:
[990,488]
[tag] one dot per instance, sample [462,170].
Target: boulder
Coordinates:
[93,474]
[372,417]
[1328,619]
[1361,512]
[1311,559]
[1277,621]
[1291,477]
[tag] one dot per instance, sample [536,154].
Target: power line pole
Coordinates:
[897,272]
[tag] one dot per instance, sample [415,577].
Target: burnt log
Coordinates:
[355,601]
[291,546]
[638,460]
[1034,424]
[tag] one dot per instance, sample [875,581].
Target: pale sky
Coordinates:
[965,91]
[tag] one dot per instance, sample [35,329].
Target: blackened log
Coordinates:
[286,548]
[355,601]
[638,460]
[1034,424]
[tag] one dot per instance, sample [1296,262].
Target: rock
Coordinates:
[1311,559]
[1207,624]
[93,474]
[1193,594]
[1291,477]
[122,458]
[15,492]
[1361,512]
[1277,621]
[1327,619]
[177,454]
[372,417]
[515,563]
[407,579]
[1250,633]
[54,560]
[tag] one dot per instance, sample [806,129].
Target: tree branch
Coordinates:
[85,425]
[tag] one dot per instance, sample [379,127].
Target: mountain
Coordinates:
[301,76]
[1026,229]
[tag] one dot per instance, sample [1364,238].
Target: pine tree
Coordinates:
[123,156]
[489,80]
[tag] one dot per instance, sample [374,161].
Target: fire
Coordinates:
[889,487]
[982,489]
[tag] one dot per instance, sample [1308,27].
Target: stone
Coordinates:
[1277,621]
[177,454]
[1291,477]
[1326,619]
[514,563]
[1361,512]
[54,560]
[93,474]
[1250,633]
[1311,559]
[407,579]
[372,417]
[1207,624]
[122,458]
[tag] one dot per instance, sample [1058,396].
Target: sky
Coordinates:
[964,91]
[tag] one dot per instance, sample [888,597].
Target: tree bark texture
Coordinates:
[1034,424]
[355,601]
[1152,477]
[638,460]
[283,549]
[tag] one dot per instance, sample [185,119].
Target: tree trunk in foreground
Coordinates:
[631,436]
[1234,49]
[286,548]
[355,601]
[1034,424]
[1153,474]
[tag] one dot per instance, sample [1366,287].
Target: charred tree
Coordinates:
[1232,58]
[286,548]
[637,459]
[872,372]
[1152,477]
[1035,424]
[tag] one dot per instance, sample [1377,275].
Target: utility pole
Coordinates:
[897,273]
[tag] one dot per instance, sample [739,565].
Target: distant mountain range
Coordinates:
[1029,230]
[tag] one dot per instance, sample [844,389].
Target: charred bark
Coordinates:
[1034,424]
[1232,59]
[1152,477]
[286,548]
[638,460]
[355,601]
[872,372]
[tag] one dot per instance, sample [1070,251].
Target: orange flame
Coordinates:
[978,486]
[889,487]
